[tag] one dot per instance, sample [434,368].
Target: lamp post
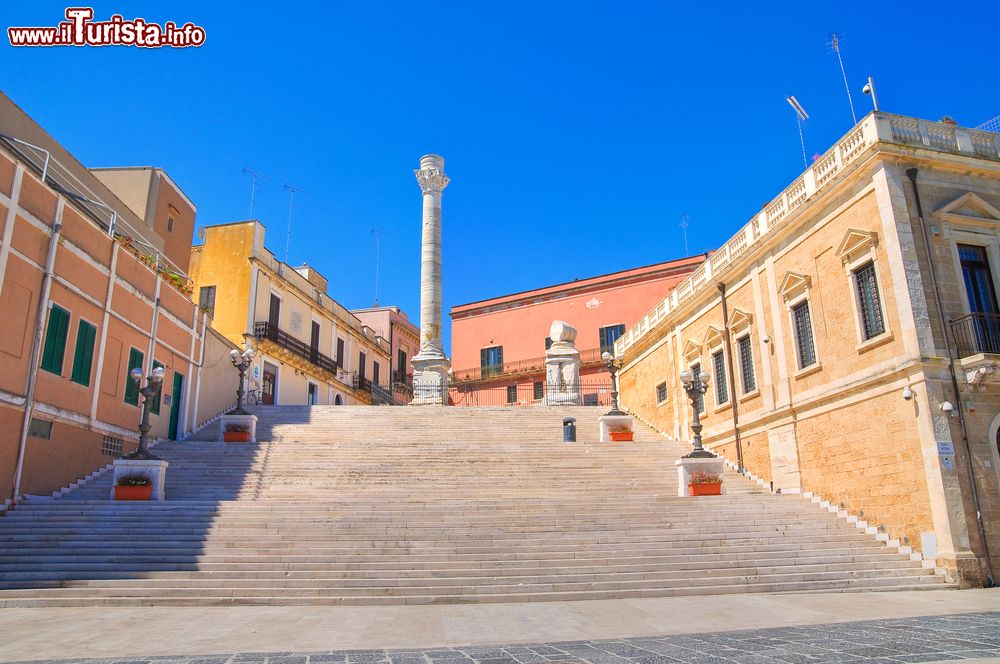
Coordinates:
[242,362]
[696,386]
[614,365]
[153,383]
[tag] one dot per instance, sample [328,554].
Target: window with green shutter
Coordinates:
[154,405]
[135,359]
[83,356]
[55,340]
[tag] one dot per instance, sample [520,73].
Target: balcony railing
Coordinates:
[279,337]
[976,333]
[361,383]
[536,365]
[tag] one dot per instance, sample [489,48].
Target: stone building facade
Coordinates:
[309,348]
[90,289]
[832,370]
[392,324]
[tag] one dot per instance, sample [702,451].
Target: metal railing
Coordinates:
[535,365]
[593,393]
[976,333]
[277,336]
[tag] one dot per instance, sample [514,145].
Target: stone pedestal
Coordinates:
[154,469]
[430,381]
[686,467]
[608,422]
[246,420]
[562,367]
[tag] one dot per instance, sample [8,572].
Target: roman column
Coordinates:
[430,366]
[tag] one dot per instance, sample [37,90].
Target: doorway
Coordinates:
[175,405]
[268,384]
[311,397]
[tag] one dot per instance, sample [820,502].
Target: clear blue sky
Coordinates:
[575,133]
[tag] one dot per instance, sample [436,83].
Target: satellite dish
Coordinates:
[201,233]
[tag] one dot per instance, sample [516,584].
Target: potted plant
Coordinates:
[134,486]
[705,484]
[620,432]
[237,432]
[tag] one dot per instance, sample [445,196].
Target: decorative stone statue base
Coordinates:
[562,367]
[245,420]
[687,467]
[155,469]
[430,381]
[607,422]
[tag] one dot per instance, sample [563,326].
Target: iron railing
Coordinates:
[976,333]
[360,382]
[277,336]
[535,365]
[593,393]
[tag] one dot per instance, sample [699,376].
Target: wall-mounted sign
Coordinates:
[946,448]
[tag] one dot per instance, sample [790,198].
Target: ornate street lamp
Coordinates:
[614,365]
[242,362]
[152,388]
[696,386]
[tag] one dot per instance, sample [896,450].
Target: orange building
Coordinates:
[93,284]
[499,344]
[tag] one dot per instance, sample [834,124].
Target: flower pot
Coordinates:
[619,436]
[706,489]
[133,492]
[236,436]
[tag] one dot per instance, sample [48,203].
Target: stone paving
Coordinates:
[925,639]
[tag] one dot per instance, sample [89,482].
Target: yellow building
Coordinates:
[309,349]
[858,356]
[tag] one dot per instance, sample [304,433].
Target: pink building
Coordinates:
[499,344]
[391,324]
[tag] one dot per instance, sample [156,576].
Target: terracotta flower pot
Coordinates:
[619,436]
[133,493]
[236,436]
[706,489]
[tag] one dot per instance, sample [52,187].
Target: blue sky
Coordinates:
[575,133]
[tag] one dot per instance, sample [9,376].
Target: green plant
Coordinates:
[701,477]
[620,427]
[241,427]
[134,479]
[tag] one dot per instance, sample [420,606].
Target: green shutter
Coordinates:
[135,359]
[55,340]
[84,354]
[154,405]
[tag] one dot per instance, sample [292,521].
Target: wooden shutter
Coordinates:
[135,359]
[55,340]
[83,356]
[154,405]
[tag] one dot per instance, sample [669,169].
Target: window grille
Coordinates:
[512,394]
[661,392]
[745,350]
[803,334]
[721,385]
[869,303]
[112,446]
[538,390]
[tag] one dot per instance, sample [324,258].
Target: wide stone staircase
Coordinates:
[362,505]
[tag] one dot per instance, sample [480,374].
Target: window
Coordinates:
[512,394]
[869,304]
[699,397]
[376,369]
[135,360]
[83,356]
[401,365]
[803,334]
[112,446]
[206,299]
[170,224]
[340,352]
[362,360]
[747,377]
[538,390]
[55,340]
[982,298]
[40,429]
[491,361]
[548,343]
[719,371]
[154,405]
[608,335]
[661,392]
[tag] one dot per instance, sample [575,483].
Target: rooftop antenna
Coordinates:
[835,40]
[291,205]
[253,184]
[684,226]
[378,245]
[991,125]
[800,115]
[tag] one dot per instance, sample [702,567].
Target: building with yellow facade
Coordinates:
[851,335]
[309,348]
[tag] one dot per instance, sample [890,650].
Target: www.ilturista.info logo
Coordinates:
[81,30]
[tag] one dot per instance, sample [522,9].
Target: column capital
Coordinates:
[431,180]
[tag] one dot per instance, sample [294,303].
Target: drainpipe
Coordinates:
[36,346]
[990,579]
[732,377]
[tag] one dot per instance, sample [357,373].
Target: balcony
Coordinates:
[520,368]
[976,333]
[282,339]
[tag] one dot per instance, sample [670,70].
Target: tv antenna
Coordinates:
[991,125]
[253,184]
[378,246]
[800,116]
[835,41]
[684,227]
[291,206]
